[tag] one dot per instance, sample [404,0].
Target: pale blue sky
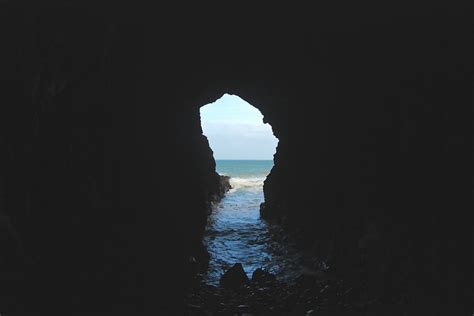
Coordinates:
[235,130]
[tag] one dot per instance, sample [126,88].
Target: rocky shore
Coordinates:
[264,294]
[219,185]
[224,186]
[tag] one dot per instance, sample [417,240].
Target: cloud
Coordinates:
[235,130]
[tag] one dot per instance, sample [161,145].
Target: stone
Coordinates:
[262,276]
[234,278]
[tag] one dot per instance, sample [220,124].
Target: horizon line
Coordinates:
[240,159]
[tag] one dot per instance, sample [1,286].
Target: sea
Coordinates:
[235,233]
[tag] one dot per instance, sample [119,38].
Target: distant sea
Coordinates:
[236,234]
[245,174]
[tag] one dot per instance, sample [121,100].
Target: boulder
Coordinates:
[262,276]
[224,184]
[234,278]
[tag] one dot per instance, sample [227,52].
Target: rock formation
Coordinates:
[234,278]
[107,179]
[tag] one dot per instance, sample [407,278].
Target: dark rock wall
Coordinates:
[106,178]
[68,143]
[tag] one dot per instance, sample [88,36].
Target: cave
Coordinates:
[103,156]
[243,148]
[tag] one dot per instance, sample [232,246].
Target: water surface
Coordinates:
[235,233]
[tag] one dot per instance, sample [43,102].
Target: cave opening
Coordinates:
[243,147]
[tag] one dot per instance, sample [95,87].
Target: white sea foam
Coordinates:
[255,183]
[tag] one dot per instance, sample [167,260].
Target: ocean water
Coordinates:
[246,176]
[236,234]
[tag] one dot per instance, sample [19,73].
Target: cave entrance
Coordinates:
[243,148]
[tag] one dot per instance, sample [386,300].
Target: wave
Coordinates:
[254,183]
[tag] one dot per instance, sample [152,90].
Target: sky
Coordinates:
[235,130]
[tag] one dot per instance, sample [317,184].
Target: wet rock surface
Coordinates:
[265,295]
[224,184]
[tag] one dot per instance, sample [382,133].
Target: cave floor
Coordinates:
[308,295]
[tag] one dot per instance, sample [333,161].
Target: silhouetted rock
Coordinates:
[262,276]
[235,277]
